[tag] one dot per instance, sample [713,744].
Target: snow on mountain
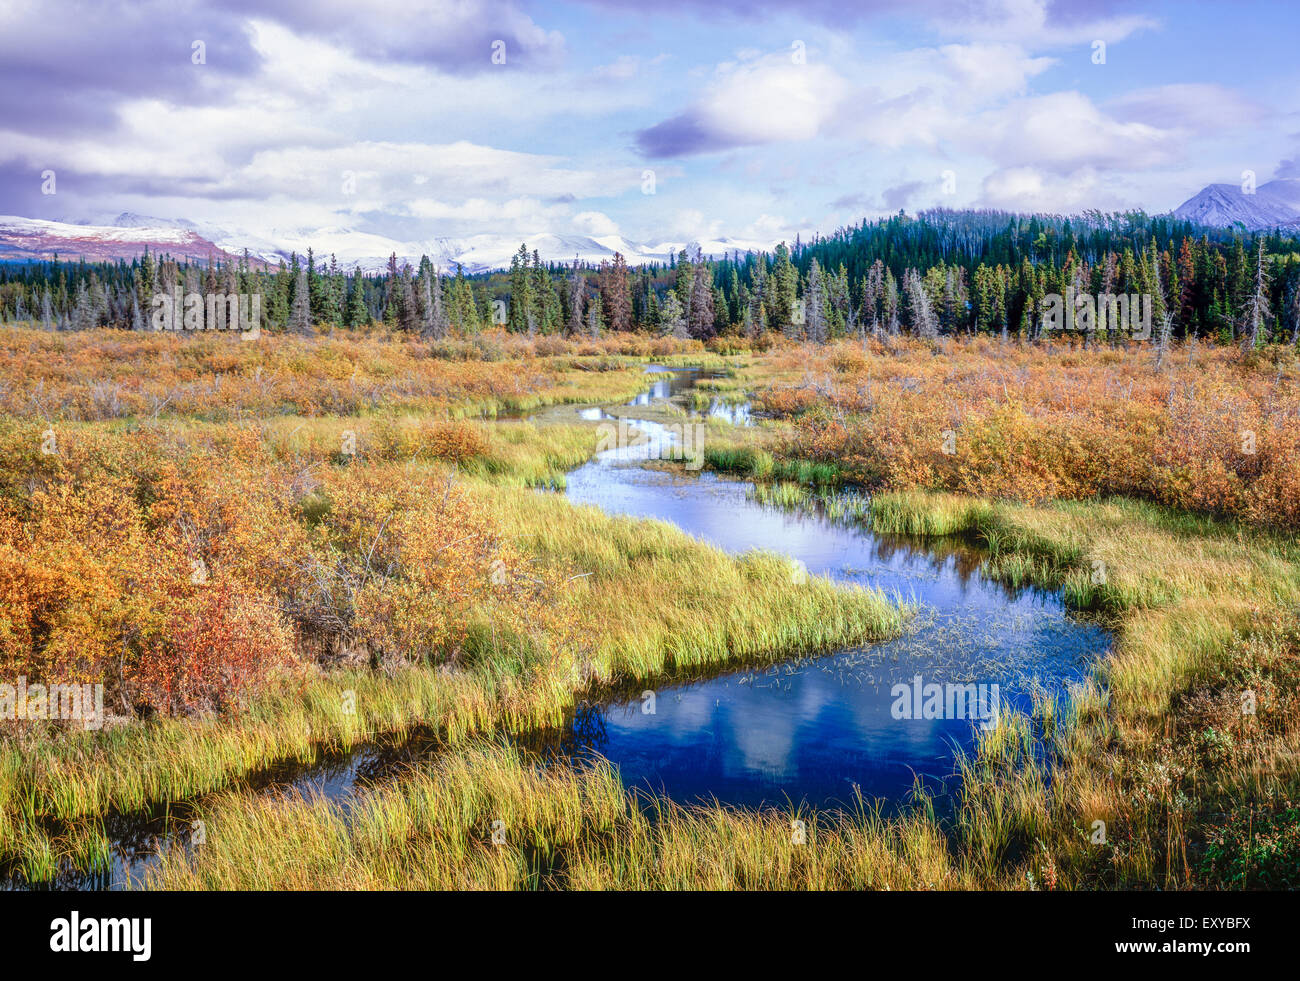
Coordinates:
[129,219]
[128,234]
[1274,204]
[481,252]
[350,247]
[36,238]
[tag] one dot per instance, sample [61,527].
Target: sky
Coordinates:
[681,120]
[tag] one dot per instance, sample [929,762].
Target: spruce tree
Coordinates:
[1257,307]
[577,299]
[358,314]
[300,310]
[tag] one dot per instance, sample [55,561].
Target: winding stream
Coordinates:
[821,730]
[816,730]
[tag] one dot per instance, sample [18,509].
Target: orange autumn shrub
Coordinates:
[182,568]
[91,593]
[212,651]
[123,555]
[455,441]
[103,375]
[412,554]
[420,561]
[1207,431]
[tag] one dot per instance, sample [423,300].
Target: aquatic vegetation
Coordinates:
[1205,613]
[412,597]
[846,505]
[486,817]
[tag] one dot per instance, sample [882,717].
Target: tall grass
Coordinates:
[646,603]
[1187,595]
[1121,749]
[486,817]
[1154,745]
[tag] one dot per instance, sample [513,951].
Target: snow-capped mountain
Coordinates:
[475,253]
[35,238]
[1272,205]
[1275,204]
[128,234]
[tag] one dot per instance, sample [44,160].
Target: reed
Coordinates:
[646,603]
[1155,745]
[485,817]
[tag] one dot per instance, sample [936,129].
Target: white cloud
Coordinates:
[1065,130]
[1029,22]
[766,100]
[985,71]
[1030,189]
[594,223]
[442,144]
[1200,107]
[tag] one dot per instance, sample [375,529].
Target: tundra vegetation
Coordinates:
[269,548]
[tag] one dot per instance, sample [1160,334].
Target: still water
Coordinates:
[822,730]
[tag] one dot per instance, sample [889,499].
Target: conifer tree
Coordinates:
[358,314]
[436,321]
[814,327]
[1257,308]
[523,316]
[700,314]
[577,298]
[672,318]
[300,311]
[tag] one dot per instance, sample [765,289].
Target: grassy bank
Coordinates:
[410,579]
[1192,791]
[1190,727]
[640,601]
[484,818]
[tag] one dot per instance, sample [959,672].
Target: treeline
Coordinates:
[298,295]
[939,273]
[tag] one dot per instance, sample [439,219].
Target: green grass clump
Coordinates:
[647,602]
[486,817]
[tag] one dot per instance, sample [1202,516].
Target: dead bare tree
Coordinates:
[1257,306]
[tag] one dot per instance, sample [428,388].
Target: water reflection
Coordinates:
[825,729]
[138,839]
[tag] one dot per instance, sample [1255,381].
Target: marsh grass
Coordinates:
[1186,595]
[556,827]
[758,464]
[1154,744]
[647,601]
[837,505]
[1122,748]
[515,452]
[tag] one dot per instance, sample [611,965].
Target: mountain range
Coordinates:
[1275,204]
[1268,206]
[127,235]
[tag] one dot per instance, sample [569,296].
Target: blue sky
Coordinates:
[758,120]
